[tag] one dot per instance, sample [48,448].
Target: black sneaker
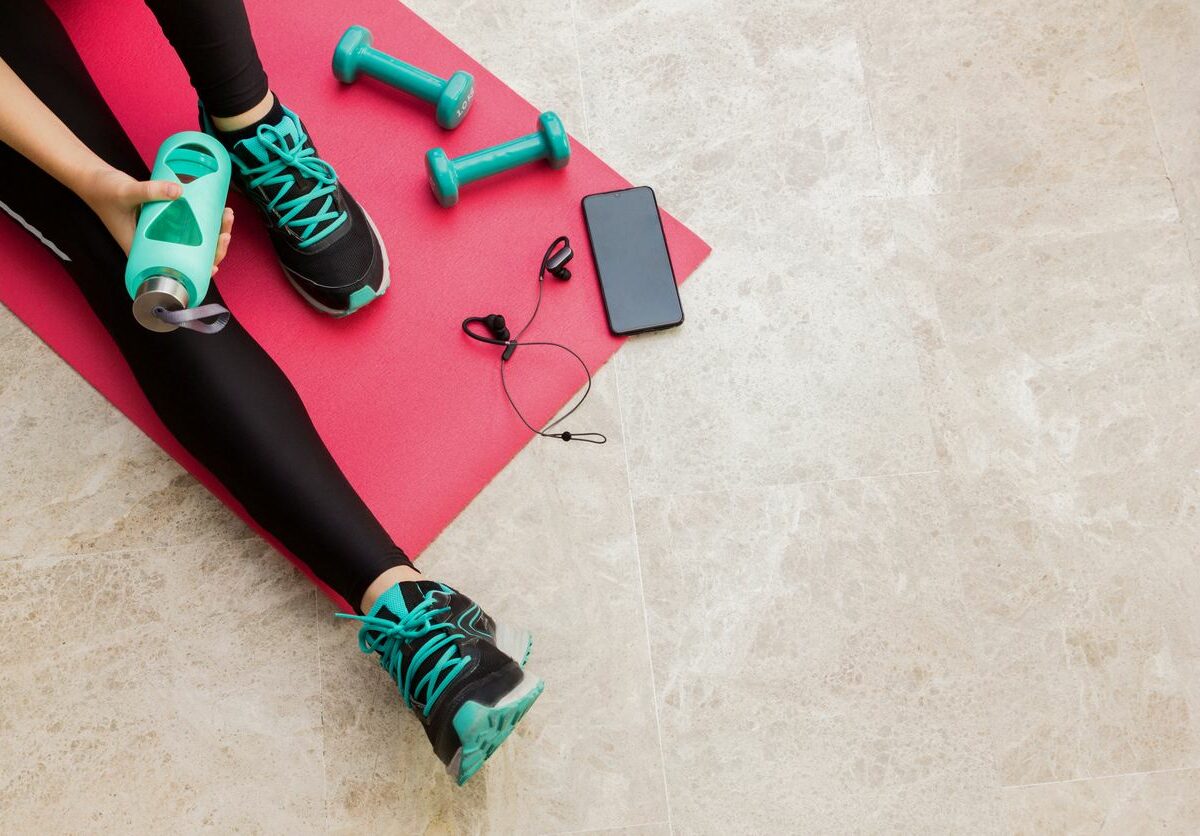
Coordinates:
[329,248]
[454,667]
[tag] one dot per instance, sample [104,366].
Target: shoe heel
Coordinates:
[515,643]
[482,728]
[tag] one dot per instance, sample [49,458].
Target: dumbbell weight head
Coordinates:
[456,98]
[558,145]
[443,177]
[348,51]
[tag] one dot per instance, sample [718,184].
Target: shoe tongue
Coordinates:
[404,597]
[253,152]
[393,605]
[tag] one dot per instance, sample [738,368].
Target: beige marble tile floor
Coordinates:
[899,534]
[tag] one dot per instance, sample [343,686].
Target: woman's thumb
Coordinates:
[155,190]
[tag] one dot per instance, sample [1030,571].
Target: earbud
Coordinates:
[556,264]
[497,331]
[553,262]
[495,324]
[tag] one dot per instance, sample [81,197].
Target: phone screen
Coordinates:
[632,261]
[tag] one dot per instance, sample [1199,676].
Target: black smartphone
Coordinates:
[632,262]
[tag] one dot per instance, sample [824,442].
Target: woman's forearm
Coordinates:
[36,133]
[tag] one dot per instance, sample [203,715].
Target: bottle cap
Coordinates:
[158,292]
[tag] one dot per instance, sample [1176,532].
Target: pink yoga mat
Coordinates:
[410,408]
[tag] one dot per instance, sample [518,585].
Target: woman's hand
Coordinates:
[116,198]
[34,132]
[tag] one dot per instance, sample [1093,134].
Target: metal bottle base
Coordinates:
[158,292]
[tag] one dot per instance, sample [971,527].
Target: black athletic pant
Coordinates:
[212,38]
[221,396]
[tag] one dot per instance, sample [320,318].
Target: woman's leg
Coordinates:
[233,409]
[213,40]
[221,395]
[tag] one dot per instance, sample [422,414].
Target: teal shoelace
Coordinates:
[288,156]
[379,635]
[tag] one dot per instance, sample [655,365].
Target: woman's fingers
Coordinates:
[222,247]
[147,190]
[224,238]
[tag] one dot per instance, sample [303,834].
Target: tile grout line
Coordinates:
[637,556]
[625,457]
[317,596]
[1102,777]
[866,86]
[624,451]
[587,122]
[1162,155]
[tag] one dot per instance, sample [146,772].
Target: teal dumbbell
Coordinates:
[354,55]
[549,143]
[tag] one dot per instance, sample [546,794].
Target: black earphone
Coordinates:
[553,262]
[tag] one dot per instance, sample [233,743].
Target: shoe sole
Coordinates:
[514,643]
[387,280]
[482,728]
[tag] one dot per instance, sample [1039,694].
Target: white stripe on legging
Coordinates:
[54,249]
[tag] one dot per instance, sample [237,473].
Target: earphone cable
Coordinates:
[590,437]
[537,305]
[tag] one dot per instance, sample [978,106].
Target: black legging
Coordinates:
[221,396]
[212,38]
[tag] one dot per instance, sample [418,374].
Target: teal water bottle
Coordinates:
[170,261]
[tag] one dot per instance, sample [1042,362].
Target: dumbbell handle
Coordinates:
[384,67]
[501,157]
